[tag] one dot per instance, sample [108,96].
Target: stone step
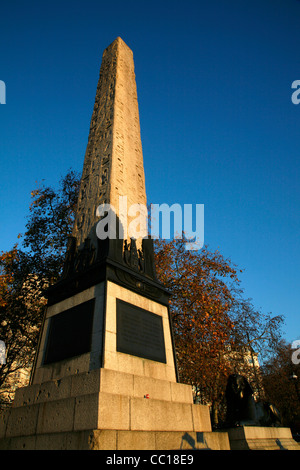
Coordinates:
[104,380]
[104,411]
[261,438]
[119,440]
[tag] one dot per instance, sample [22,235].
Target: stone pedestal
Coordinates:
[261,438]
[108,410]
[104,333]
[107,398]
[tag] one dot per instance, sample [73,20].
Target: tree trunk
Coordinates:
[215,414]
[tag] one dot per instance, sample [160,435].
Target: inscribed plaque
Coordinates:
[70,333]
[140,332]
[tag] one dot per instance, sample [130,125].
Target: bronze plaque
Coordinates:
[139,332]
[70,333]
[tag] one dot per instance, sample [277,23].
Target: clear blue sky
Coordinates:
[218,124]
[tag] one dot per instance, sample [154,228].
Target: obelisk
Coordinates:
[105,374]
[113,164]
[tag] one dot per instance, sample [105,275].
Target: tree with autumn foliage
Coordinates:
[200,305]
[21,306]
[50,222]
[281,381]
[27,271]
[214,327]
[256,339]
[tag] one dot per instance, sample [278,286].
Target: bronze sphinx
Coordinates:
[242,410]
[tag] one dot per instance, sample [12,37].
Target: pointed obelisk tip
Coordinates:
[119,41]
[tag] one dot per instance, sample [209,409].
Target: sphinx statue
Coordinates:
[243,410]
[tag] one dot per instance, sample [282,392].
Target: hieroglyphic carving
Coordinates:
[113,164]
[98,154]
[134,257]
